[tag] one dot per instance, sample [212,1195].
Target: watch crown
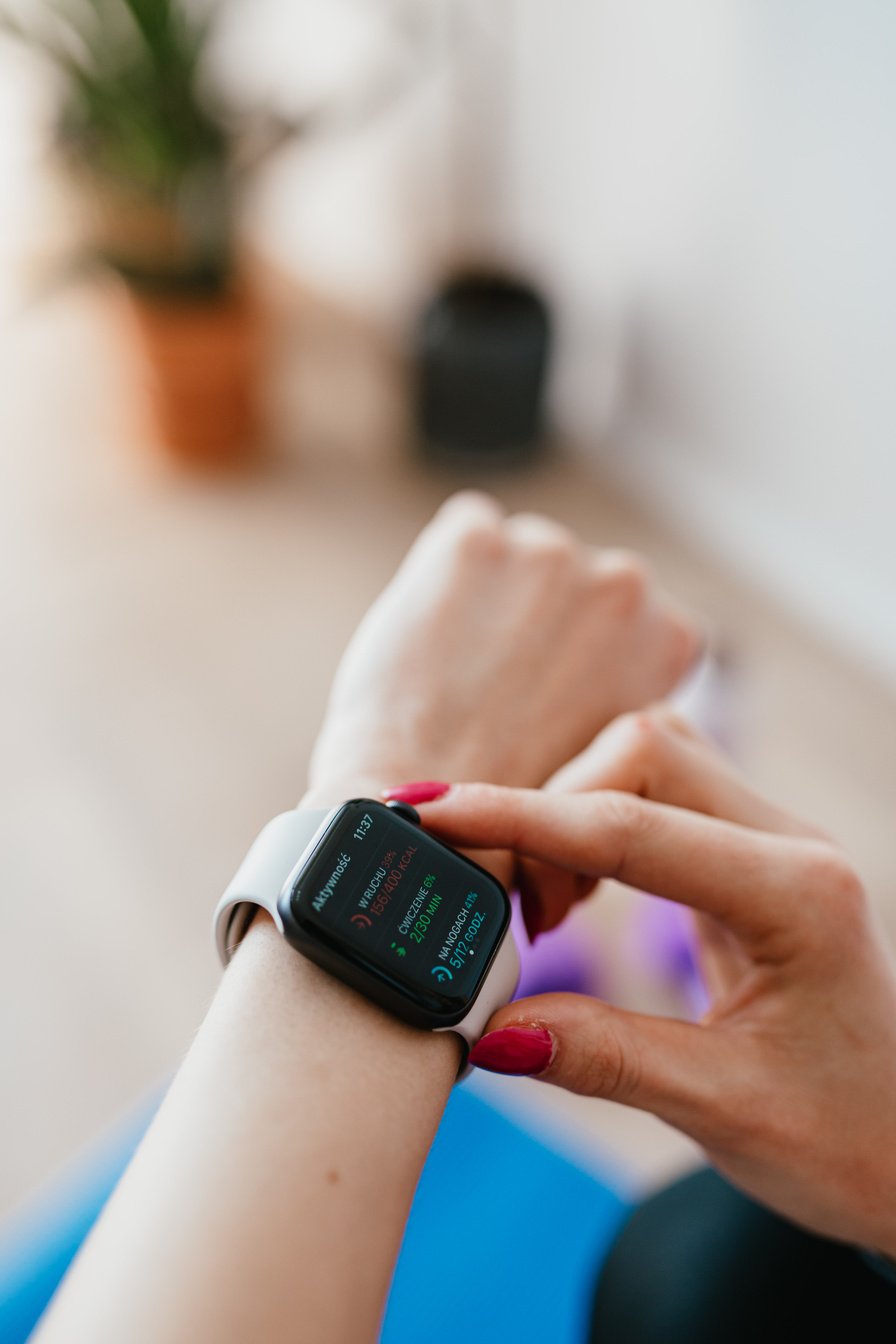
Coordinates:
[404,810]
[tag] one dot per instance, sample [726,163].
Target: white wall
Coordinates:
[359,210]
[709,190]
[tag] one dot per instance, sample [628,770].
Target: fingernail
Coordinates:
[518,1050]
[533,915]
[421,791]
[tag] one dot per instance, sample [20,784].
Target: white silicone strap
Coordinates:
[262,875]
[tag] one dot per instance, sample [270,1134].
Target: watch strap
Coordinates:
[262,875]
[496,991]
[278,850]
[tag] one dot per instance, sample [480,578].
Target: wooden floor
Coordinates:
[167,646]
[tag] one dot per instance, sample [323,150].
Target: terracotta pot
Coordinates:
[202,364]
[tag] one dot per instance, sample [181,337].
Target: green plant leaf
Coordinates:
[134,116]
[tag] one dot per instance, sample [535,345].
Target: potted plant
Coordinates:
[159,160]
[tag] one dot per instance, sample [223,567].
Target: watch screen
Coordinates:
[402,905]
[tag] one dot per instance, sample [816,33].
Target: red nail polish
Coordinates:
[517,1050]
[421,791]
[533,914]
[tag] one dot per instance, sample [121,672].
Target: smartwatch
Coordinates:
[404,919]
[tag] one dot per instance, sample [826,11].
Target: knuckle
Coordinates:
[841,881]
[642,736]
[637,746]
[624,579]
[480,541]
[542,540]
[495,810]
[834,891]
[610,1073]
[467,513]
[469,504]
[674,723]
[554,550]
[478,796]
[483,545]
[621,810]
[622,819]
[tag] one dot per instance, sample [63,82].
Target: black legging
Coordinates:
[700,1263]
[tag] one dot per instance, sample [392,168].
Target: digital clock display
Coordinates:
[400,907]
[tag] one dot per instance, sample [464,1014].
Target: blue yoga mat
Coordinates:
[504,1239]
[38,1245]
[503,1242]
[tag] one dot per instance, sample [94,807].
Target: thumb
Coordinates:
[672,1068]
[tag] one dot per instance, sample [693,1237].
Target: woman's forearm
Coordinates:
[269,1198]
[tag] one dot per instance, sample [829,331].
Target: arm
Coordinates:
[789,1081]
[270,1195]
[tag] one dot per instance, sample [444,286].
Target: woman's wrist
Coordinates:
[319,1017]
[349,1017]
[337,786]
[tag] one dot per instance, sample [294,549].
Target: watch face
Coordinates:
[391,909]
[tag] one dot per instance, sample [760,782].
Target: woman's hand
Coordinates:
[789,1081]
[499,649]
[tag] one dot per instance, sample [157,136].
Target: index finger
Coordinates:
[747,879]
